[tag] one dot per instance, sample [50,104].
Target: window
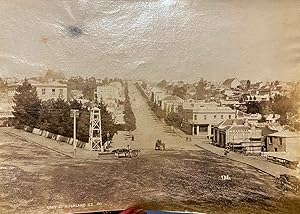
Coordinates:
[229,116]
[280,140]
[195,130]
[205,117]
[203,128]
[222,117]
[61,92]
[53,91]
[195,117]
[43,91]
[275,149]
[215,116]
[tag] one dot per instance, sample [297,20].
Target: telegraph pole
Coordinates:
[74,114]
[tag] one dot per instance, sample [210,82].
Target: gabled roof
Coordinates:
[230,122]
[239,127]
[171,98]
[228,82]
[285,134]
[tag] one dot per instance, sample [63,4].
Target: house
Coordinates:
[171,103]
[108,92]
[256,98]
[6,110]
[157,95]
[252,118]
[231,83]
[284,141]
[45,91]
[239,134]
[272,118]
[200,117]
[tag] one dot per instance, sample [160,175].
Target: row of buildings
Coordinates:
[226,126]
[111,94]
[114,97]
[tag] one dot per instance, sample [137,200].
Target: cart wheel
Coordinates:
[134,154]
[282,183]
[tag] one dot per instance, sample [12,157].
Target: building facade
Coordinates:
[237,133]
[200,117]
[284,141]
[45,91]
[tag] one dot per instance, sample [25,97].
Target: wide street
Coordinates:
[34,179]
[149,128]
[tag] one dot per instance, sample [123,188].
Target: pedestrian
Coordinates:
[132,138]
[226,151]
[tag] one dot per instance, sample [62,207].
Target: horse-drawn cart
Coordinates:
[289,182]
[131,153]
[159,145]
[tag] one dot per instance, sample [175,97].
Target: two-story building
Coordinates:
[200,117]
[171,104]
[45,91]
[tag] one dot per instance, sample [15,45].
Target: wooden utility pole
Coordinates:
[74,114]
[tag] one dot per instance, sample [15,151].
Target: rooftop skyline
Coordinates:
[154,40]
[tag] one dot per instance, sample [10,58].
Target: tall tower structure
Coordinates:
[95,133]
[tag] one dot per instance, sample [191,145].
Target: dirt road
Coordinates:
[34,180]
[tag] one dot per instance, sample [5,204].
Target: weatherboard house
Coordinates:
[45,91]
[231,83]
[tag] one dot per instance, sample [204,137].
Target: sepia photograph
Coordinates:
[149,106]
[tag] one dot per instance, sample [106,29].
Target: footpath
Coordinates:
[49,144]
[257,162]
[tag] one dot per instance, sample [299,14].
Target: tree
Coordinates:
[180,91]
[107,123]
[89,88]
[162,84]
[248,85]
[27,105]
[144,85]
[201,91]
[284,106]
[129,117]
[173,119]
[83,125]
[253,107]
[59,120]
[52,75]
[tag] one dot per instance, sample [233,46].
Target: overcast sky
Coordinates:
[154,39]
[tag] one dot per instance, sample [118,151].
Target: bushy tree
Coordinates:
[173,119]
[83,125]
[284,106]
[144,85]
[59,120]
[180,91]
[107,123]
[253,107]
[129,117]
[89,88]
[162,84]
[201,91]
[27,105]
